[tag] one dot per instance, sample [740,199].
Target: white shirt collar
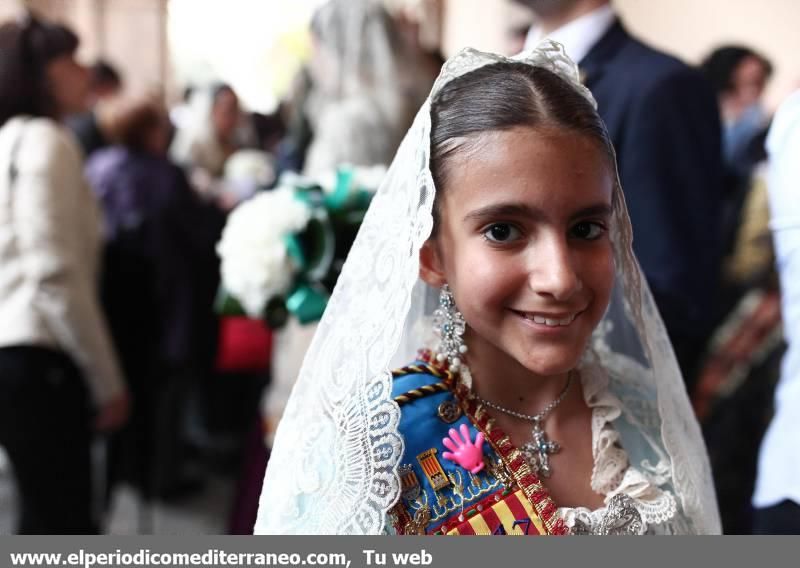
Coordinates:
[578,36]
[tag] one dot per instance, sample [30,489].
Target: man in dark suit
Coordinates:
[664,122]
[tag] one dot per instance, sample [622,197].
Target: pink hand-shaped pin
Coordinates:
[464,452]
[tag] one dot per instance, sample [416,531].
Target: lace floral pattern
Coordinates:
[340,422]
[612,474]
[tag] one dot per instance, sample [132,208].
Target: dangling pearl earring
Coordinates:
[450,326]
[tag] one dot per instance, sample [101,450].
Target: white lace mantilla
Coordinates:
[613,475]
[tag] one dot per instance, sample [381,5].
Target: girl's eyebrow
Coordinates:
[603,210]
[496,210]
[505,210]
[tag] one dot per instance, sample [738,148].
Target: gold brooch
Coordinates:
[449,411]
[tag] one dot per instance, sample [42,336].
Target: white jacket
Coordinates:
[50,236]
[779,460]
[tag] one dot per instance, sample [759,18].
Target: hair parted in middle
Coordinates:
[502,96]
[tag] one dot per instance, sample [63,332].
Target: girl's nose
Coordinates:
[554,273]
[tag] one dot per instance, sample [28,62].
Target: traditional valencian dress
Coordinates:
[506,497]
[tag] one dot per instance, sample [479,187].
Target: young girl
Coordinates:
[550,402]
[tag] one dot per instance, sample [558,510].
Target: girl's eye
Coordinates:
[501,233]
[588,230]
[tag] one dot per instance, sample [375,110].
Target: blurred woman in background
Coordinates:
[357,109]
[209,138]
[59,379]
[159,280]
[214,129]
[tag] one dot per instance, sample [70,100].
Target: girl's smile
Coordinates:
[546,322]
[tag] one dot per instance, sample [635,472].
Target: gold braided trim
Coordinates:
[423,369]
[420,392]
[425,390]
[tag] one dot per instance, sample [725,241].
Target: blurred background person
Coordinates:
[519,22]
[737,379]
[59,378]
[209,137]
[159,281]
[105,84]
[739,76]
[356,107]
[222,152]
[291,150]
[664,122]
[777,492]
[105,81]
[214,129]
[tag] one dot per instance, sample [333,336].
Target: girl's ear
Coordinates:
[431,268]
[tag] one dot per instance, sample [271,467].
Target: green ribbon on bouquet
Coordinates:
[313,250]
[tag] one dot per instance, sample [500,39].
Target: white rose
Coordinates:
[255,263]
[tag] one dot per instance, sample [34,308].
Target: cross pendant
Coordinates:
[537,451]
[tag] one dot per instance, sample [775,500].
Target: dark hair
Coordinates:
[721,64]
[502,96]
[26,48]
[131,123]
[103,73]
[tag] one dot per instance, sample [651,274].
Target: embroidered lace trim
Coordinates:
[612,473]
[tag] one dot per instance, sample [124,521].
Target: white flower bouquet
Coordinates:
[282,249]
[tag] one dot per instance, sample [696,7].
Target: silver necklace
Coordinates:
[537,452]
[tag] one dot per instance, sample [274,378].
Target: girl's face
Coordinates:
[523,243]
